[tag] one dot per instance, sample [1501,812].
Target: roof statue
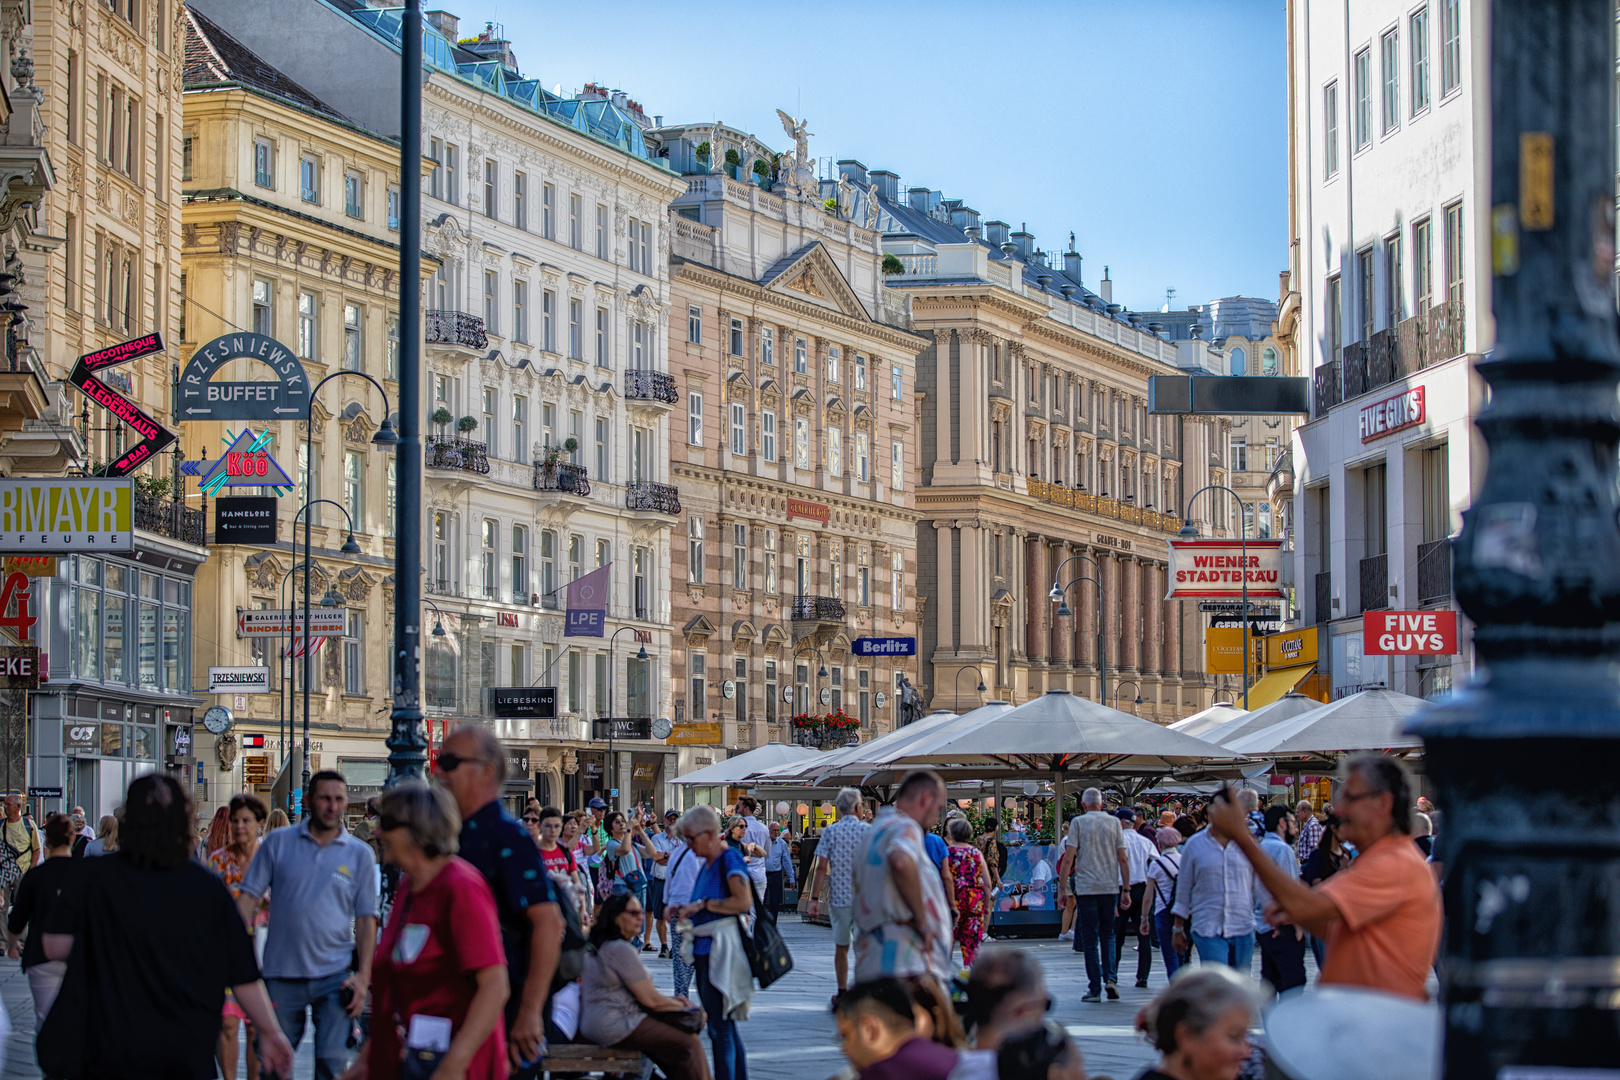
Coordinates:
[796,172]
[716,155]
[872,207]
[846,197]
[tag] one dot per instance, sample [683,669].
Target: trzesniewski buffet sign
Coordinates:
[1220,569]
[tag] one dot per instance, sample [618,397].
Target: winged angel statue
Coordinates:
[795,170]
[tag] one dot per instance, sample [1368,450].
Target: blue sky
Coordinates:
[1154,130]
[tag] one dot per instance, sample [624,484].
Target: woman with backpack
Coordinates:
[623,867]
[1162,871]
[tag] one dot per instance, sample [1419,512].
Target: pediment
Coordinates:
[811,274]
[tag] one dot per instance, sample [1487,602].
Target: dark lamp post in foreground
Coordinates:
[1523,760]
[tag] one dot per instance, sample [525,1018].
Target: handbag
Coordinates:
[768,956]
[689,1020]
[10,868]
[419,1064]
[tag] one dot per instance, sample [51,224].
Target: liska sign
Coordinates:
[1222,569]
[1409,633]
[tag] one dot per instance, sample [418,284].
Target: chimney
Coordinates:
[965,218]
[996,232]
[917,199]
[619,98]
[888,184]
[448,25]
[1025,241]
[1071,265]
[855,171]
[1105,288]
[658,121]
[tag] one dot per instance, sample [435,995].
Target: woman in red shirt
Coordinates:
[439,978]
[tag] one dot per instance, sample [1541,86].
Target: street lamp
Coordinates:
[612,777]
[1128,682]
[957,692]
[1189,531]
[1059,596]
[438,619]
[284,707]
[330,600]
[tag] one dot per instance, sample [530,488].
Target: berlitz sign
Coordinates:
[1223,569]
[1409,633]
[1386,417]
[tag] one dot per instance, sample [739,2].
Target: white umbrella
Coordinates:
[1200,722]
[1371,720]
[1285,708]
[734,770]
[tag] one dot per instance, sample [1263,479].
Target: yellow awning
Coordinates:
[1273,686]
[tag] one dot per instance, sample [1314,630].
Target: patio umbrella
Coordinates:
[1287,707]
[734,770]
[1371,720]
[810,769]
[1200,722]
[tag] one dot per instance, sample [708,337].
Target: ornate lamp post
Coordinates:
[957,693]
[1059,596]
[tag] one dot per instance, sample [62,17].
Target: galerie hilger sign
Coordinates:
[1221,569]
[66,515]
[1409,633]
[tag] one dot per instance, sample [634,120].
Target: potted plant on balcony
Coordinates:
[892,264]
[553,454]
[466,425]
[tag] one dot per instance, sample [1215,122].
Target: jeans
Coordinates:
[1164,923]
[683,970]
[44,980]
[1126,926]
[730,1058]
[1318,950]
[773,893]
[290,997]
[1237,952]
[1095,916]
[1282,958]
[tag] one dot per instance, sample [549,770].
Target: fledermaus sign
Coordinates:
[201,399]
[1220,569]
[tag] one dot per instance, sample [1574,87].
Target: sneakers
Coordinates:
[1141,984]
[1113,990]
[1067,935]
[663,954]
[1091,997]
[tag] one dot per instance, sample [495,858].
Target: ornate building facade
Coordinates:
[796,450]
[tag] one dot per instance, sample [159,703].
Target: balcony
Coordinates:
[1324,596]
[456,328]
[645,495]
[165,517]
[1375,583]
[1354,365]
[1329,389]
[458,454]
[1101,506]
[1381,361]
[1411,345]
[564,477]
[1445,331]
[817,609]
[1434,572]
[650,386]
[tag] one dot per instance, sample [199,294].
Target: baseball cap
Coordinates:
[596,804]
[671,815]
[1125,813]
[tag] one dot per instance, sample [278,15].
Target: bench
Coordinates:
[578,1058]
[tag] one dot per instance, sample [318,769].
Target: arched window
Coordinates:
[1240,362]
[1268,362]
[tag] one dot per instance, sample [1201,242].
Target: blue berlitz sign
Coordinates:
[885,646]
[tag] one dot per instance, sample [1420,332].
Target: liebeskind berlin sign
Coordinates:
[1220,569]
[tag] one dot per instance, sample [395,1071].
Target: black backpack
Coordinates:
[1174,880]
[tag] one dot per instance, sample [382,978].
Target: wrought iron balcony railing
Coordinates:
[456,328]
[169,518]
[645,495]
[458,454]
[566,477]
[1434,572]
[1375,583]
[817,609]
[650,386]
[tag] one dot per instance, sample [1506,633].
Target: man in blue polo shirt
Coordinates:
[472,766]
[323,920]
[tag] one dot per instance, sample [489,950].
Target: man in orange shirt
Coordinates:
[1381,915]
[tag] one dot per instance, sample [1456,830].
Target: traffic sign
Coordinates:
[282,622]
[256,769]
[44,793]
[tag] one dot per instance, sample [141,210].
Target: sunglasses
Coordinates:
[531,820]
[449,762]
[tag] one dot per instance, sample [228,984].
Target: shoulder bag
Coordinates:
[768,956]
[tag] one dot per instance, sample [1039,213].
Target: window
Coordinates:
[441,550]
[491,175]
[352,191]
[736,337]
[694,419]
[645,242]
[353,319]
[862,457]
[1390,56]
[492,297]
[863,577]
[1268,362]
[186,158]
[520,312]
[576,329]
[548,320]
[835,571]
[768,435]
[835,451]
[801,442]
[452,173]
[309,178]
[896,382]
[576,227]
[263,164]
[1363,86]
[548,211]
[601,231]
[1330,130]
[520,425]
[801,356]
[860,372]
[71,256]
[520,565]
[1238,365]
[576,431]
[263,308]
[393,347]
[354,488]
[309,466]
[1418,46]
[767,346]
[71,108]
[770,562]
[489,428]
[696,661]
[694,549]
[1334,316]
[897,581]
[519,665]
[1240,454]
[640,345]
[576,681]
[739,556]
[436,178]
[738,421]
[604,553]
[548,569]
[1454,253]
[308,341]
[520,200]
[601,450]
[835,363]
[1364,297]
[1450,46]
[548,424]
[694,325]
[354,680]
[1394,300]
[897,465]
[632,249]
[1422,266]
[393,208]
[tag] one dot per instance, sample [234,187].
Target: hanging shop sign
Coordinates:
[884,646]
[1392,414]
[1409,633]
[587,603]
[246,464]
[16,592]
[245,519]
[1223,651]
[813,511]
[621,727]
[1222,569]
[536,701]
[19,667]
[239,680]
[84,377]
[284,622]
[60,515]
[1296,648]
[30,565]
[706,734]
[203,399]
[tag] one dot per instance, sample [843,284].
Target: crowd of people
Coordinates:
[443,937]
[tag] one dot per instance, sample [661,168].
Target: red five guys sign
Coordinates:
[1409,633]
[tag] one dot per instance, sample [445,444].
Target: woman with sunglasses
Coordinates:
[439,981]
[623,858]
[722,889]
[617,996]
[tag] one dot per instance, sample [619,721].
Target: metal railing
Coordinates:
[563,476]
[826,738]
[1329,388]
[1434,572]
[1445,331]
[169,518]
[1324,596]
[817,609]
[1354,366]
[456,328]
[1381,361]
[1375,583]
[457,454]
[1101,506]
[645,495]
[650,386]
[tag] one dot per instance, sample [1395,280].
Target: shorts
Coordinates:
[655,897]
[843,925]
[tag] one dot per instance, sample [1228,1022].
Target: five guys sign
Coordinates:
[1409,633]
[153,437]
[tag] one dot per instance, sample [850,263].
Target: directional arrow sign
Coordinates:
[246,464]
[153,437]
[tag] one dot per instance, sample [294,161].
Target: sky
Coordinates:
[1154,130]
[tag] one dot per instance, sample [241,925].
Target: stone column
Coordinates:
[945,639]
[1062,629]
[1152,611]
[1173,666]
[1130,654]
[1085,603]
[972,579]
[1035,556]
[944,405]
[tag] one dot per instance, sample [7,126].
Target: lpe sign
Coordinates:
[61,515]
[1409,633]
